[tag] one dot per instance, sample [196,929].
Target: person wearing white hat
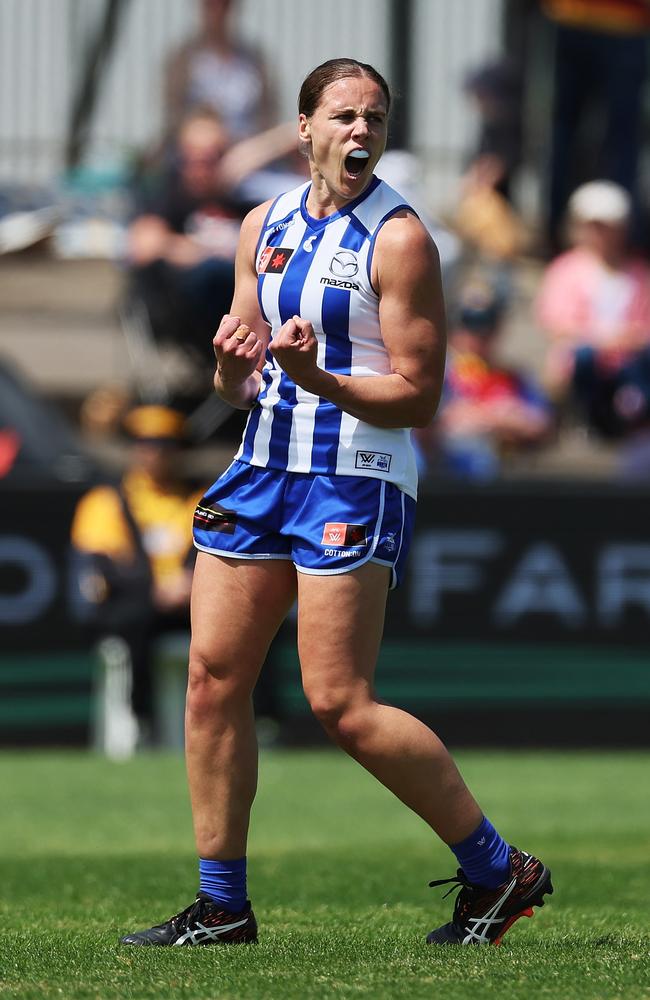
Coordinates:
[600,201]
[594,306]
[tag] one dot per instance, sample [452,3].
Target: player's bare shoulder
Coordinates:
[405,249]
[254,220]
[249,235]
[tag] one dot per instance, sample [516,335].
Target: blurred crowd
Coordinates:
[583,326]
[585,313]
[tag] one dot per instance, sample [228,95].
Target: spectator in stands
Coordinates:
[404,172]
[134,546]
[495,89]
[594,304]
[488,412]
[214,70]
[182,241]
[600,63]
[485,217]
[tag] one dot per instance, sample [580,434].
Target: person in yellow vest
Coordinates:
[134,546]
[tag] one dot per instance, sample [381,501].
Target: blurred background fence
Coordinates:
[45,47]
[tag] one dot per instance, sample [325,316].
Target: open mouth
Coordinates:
[356,162]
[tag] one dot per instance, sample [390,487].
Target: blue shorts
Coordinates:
[324,524]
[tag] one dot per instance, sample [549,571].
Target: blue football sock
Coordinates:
[224,882]
[484,856]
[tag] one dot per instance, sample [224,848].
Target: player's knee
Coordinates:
[326,704]
[202,698]
[350,729]
[339,714]
[213,688]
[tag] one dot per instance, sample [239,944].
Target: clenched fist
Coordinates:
[237,349]
[295,348]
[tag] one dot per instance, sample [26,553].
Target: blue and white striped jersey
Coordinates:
[320,269]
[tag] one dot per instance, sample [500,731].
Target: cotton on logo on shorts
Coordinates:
[340,533]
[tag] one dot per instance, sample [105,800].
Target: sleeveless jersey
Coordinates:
[320,269]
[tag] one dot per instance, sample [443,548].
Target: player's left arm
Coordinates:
[406,273]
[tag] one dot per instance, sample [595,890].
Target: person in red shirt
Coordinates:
[489,412]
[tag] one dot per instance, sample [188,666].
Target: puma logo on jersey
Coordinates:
[280,226]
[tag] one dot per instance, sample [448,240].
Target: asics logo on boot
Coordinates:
[202,933]
[478,933]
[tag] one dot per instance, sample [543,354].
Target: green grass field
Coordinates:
[338,876]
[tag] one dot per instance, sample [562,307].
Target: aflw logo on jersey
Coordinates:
[373,460]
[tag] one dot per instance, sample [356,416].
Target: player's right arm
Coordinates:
[240,361]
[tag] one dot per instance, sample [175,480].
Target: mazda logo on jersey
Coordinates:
[344,264]
[273,260]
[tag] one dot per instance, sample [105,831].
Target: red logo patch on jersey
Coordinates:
[274,260]
[339,533]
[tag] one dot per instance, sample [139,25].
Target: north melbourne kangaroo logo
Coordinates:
[344,264]
[373,460]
